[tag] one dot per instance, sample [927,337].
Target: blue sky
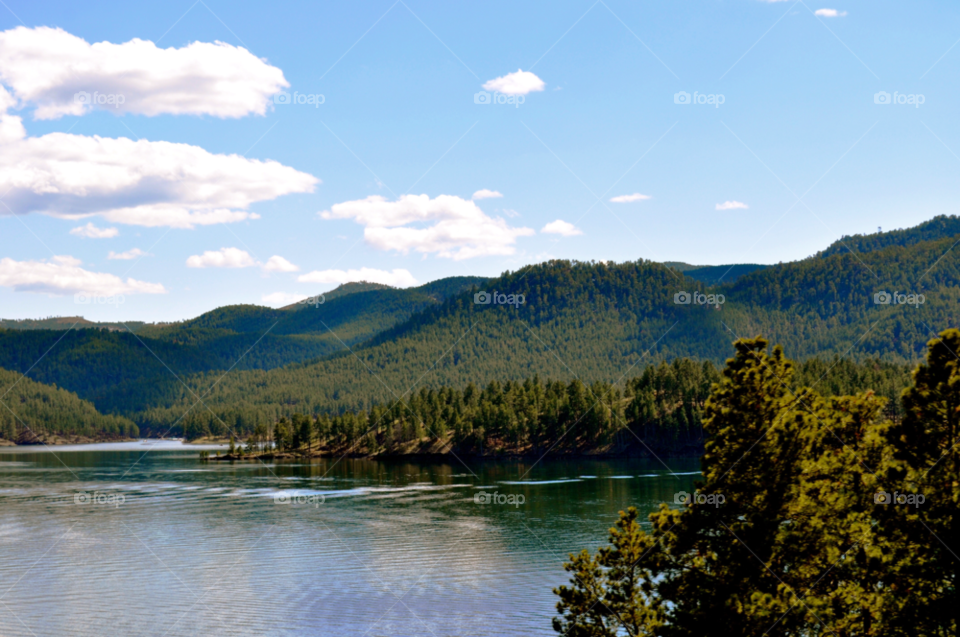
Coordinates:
[798,153]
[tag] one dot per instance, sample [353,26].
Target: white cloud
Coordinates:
[128,255]
[237,258]
[731,205]
[459,230]
[279,264]
[486,194]
[124,181]
[62,275]
[279,299]
[830,13]
[53,69]
[134,182]
[222,258]
[90,231]
[396,278]
[629,198]
[561,227]
[519,83]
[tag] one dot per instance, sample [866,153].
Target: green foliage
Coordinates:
[716,274]
[612,592]
[940,227]
[595,322]
[29,410]
[797,539]
[125,373]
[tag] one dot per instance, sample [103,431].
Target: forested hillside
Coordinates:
[31,411]
[67,323]
[713,274]
[828,305]
[123,372]
[937,228]
[658,410]
[592,322]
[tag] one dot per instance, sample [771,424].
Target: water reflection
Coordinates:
[395,548]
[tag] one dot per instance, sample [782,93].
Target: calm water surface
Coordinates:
[133,539]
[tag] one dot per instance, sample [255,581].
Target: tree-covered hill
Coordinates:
[68,323]
[592,321]
[940,227]
[122,372]
[830,305]
[714,274]
[32,411]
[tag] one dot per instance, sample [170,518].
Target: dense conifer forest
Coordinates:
[367,346]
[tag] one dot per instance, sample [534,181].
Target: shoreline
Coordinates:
[56,440]
[687,452]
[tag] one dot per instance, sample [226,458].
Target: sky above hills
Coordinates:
[158,161]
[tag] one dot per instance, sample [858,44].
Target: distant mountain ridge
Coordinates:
[715,274]
[939,227]
[595,321]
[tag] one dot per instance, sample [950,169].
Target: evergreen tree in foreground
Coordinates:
[816,516]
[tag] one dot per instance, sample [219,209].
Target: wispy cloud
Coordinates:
[731,205]
[128,255]
[279,299]
[829,13]
[486,194]
[629,198]
[397,278]
[62,275]
[90,231]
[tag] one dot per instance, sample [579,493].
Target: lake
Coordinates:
[137,539]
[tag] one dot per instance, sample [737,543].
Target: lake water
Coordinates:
[134,539]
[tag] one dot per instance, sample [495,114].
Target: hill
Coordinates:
[34,412]
[939,227]
[66,323]
[715,274]
[596,322]
[588,321]
[121,372]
